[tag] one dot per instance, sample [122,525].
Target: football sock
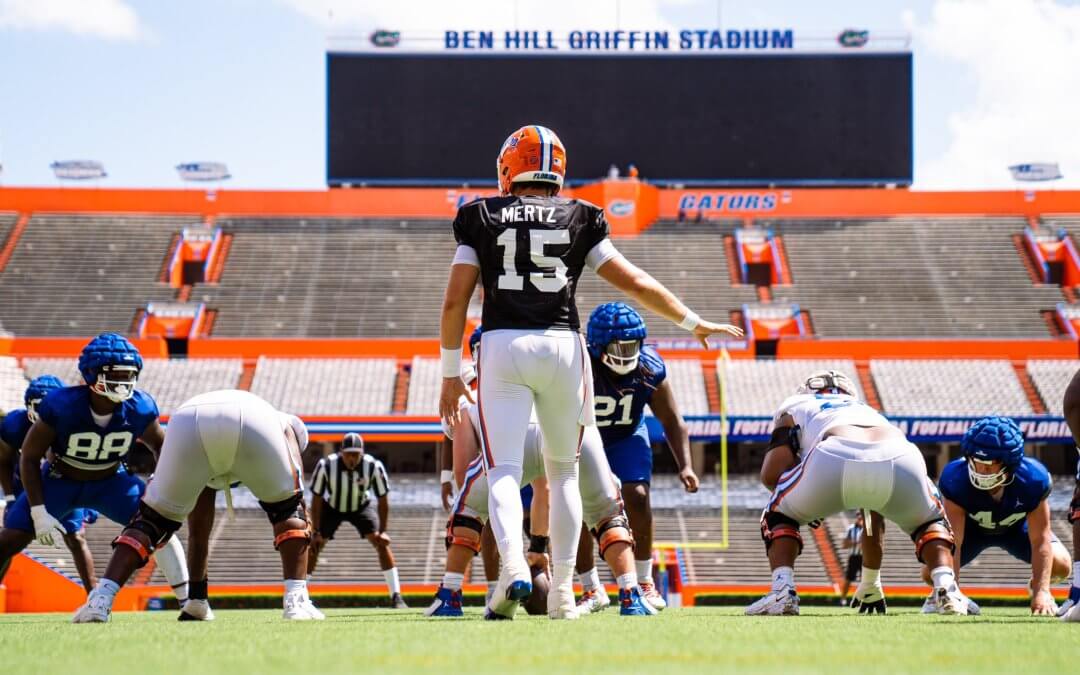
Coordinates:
[392,580]
[199,590]
[783,577]
[504,505]
[170,558]
[626,581]
[295,586]
[565,517]
[943,577]
[590,580]
[453,581]
[108,587]
[644,569]
[871,576]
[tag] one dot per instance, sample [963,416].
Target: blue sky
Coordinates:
[143,85]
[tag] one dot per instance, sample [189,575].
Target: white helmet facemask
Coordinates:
[986,481]
[621,356]
[116,389]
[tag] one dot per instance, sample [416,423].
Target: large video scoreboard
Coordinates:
[771,118]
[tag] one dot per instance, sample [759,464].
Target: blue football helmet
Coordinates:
[110,364]
[614,336]
[474,342]
[38,388]
[988,440]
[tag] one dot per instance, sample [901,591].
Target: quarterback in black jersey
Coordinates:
[529,247]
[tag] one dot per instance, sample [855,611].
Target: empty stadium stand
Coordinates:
[327,386]
[66,278]
[12,384]
[169,381]
[7,223]
[688,385]
[291,277]
[425,379]
[1050,378]
[758,387]
[949,387]
[908,277]
[690,259]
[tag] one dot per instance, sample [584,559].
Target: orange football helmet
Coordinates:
[531,154]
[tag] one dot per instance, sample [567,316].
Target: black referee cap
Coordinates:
[353,441]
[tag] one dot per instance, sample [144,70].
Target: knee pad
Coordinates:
[468,523]
[935,529]
[279,512]
[295,533]
[149,522]
[775,525]
[613,530]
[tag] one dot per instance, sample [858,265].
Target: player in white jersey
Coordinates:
[528,247]
[830,452]
[602,508]
[216,439]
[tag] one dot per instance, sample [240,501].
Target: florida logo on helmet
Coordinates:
[532,154]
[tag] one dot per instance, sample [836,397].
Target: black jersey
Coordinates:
[532,250]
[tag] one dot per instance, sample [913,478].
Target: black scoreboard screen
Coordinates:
[790,119]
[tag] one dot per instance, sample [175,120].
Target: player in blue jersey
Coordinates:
[1070,609]
[89,429]
[13,430]
[997,497]
[627,376]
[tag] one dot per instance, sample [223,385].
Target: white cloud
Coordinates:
[107,19]
[1024,58]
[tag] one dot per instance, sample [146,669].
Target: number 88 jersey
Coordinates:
[79,441]
[531,251]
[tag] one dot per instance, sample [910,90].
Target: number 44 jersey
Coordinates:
[80,441]
[531,251]
[1029,486]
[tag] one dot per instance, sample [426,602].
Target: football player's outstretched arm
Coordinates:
[639,285]
[37,443]
[459,290]
[539,512]
[957,517]
[1042,559]
[665,408]
[7,470]
[780,456]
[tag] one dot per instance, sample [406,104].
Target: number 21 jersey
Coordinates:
[531,252]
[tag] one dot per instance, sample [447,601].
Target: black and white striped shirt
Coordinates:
[348,491]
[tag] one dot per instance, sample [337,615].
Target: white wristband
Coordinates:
[446,476]
[690,321]
[451,362]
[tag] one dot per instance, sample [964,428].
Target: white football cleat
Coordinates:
[782,602]
[560,602]
[595,600]
[196,610]
[298,607]
[929,605]
[96,609]
[649,592]
[508,594]
[953,602]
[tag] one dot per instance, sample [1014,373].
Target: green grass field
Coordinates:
[678,641]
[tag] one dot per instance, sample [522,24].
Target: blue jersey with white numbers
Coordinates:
[1030,485]
[80,442]
[621,399]
[13,431]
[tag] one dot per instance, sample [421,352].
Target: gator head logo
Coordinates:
[853,38]
[386,38]
[620,208]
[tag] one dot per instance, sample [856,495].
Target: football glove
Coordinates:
[869,599]
[48,530]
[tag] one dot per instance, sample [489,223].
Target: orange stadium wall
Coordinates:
[442,203]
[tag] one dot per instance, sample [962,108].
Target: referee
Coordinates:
[342,488]
[853,542]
